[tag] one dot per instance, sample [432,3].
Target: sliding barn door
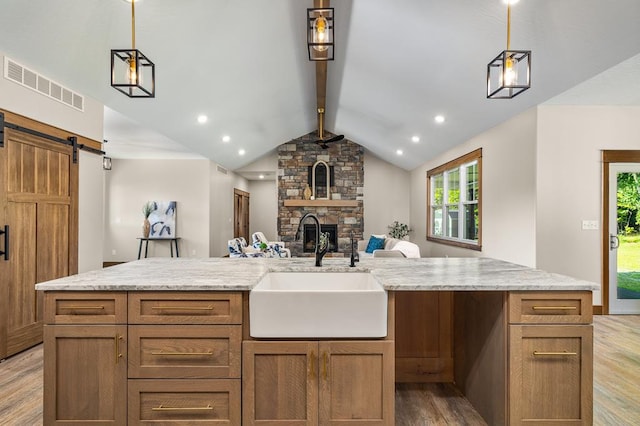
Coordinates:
[38,202]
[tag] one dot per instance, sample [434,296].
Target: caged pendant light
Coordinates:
[132,73]
[509,73]
[320,34]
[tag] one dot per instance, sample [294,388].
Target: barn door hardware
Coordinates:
[5,232]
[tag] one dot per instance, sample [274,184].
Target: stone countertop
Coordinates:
[224,274]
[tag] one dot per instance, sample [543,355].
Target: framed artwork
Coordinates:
[163,219]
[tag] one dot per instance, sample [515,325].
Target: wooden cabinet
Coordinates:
[85,367]
[116,358]
[176,336]
[423,335]
[550,358]
[318,383]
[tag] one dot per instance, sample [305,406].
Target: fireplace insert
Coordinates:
[309,237]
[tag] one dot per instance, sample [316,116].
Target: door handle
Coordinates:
[614,242]
[5,232]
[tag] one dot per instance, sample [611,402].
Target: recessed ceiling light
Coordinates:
[399,152]
[415,139]
[241,152]
[261,176]
[226,138]
[439,118]
[202,119]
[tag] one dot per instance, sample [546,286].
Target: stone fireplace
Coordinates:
[343,207]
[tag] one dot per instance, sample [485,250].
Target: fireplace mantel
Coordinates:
[321,203]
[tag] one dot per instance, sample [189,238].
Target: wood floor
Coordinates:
[616,385]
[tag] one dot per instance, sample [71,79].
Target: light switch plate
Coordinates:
[590,225]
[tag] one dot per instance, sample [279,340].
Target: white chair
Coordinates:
[277,248]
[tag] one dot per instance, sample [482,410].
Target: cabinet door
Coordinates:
[280,383]
[551,374]
[424,353]
[85,374]
[356,383]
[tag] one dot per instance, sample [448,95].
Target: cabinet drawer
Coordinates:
[66,307]
[550,307]
[551,374]
[184,402]
[185,308]
[181,352]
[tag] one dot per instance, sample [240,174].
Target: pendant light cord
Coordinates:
[508,25]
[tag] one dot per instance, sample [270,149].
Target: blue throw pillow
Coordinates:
[375,243]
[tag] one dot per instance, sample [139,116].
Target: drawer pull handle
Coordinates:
[184,308]
[82,307]
[163,408]
[554,308]
[563,353]
[181,353]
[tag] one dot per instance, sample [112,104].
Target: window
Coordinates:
[454,201]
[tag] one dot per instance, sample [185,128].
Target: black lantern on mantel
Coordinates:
[320,34]
[132,73]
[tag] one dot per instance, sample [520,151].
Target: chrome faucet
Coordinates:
[320,249]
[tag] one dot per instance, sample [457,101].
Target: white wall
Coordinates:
[569,180]
[508,193]
[131,183]
[263,208]
[387,191]
[90,212]
[221,208]
[32,104]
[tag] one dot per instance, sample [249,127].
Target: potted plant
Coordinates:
[147,208]
[398,230]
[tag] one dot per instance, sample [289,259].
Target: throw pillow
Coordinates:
[375,243]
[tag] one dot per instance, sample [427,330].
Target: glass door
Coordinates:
[624,238]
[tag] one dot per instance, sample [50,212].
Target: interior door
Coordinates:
[38,203]
[624,238]
[241,214]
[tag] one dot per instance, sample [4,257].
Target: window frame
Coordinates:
[440,170]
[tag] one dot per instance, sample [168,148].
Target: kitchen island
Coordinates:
[522,339]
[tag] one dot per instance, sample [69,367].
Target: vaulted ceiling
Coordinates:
[243,63]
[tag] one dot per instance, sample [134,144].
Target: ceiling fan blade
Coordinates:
[334,139]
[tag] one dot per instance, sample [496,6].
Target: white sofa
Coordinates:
[407,248]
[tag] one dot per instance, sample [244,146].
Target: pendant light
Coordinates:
[320,34]
[132,73]
[509,73]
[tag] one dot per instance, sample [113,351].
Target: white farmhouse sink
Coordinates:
[318,305]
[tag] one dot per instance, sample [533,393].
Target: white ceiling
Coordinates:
[244,64]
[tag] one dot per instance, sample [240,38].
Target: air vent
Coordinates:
[222,170]
[25,77]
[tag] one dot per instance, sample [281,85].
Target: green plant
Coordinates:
[263,246]
[147,208]
[398,230]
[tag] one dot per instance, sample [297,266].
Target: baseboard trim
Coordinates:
[597,309]
[107,264]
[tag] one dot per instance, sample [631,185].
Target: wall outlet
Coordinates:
[113,252]
[590,225]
